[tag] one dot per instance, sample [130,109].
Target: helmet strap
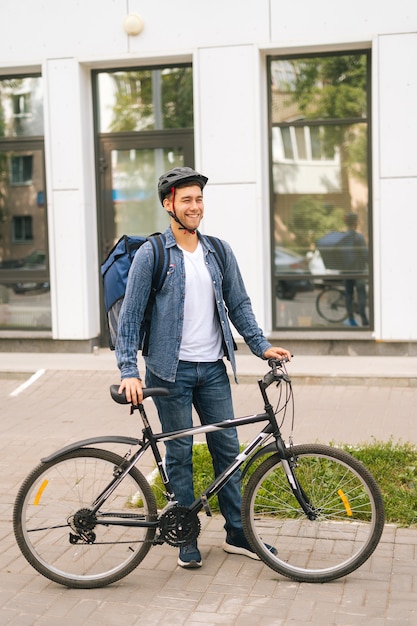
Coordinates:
[174,215]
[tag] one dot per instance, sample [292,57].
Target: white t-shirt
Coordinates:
[201,335]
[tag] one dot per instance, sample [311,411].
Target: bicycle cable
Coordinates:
[283,404]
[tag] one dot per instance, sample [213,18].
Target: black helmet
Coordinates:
[178,176]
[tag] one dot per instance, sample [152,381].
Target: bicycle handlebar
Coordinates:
[275,374]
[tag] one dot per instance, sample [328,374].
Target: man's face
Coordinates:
[188,205]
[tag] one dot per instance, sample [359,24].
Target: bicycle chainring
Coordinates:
[83,522]
[178,527]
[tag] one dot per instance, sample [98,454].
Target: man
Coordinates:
[189,336]
[356,258]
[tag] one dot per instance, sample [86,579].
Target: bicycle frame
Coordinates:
[151,440]
[75,500]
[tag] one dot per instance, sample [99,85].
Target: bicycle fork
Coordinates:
[296,488]
[299,493]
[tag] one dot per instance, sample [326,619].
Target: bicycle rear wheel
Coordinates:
[59,536]
[331,305]
[349,514]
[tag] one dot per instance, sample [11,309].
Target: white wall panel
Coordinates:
[95,28]
[397,79]
[398,219]
[72,223]
[230,213]
[323,21]
[180,24]
[62,122]
[67,265]
[226,122]
[32,30]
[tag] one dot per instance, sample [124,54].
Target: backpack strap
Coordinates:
[219,251]
[161,260]
[160,268]
[220,255]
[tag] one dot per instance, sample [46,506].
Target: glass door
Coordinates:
[129,171]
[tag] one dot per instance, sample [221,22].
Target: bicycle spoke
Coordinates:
[61,537]
[347,505]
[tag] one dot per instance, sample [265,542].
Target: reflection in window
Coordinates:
[21,107]
[319,117]
[22,228]
[135,176]
[146,99]
[21,169]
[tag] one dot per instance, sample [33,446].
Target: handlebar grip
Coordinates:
[277,362]
[148,392]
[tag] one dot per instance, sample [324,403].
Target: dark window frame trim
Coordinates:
[348,50]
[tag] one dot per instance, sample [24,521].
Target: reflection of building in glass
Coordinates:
[25,301]
[319,146]
[22,107]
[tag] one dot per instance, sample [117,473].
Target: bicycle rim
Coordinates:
[331,306]
[55,492]
[348,505]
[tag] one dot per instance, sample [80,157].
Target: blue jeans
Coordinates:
[205,386]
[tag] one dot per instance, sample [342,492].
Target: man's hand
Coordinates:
[133,389]
[277,353]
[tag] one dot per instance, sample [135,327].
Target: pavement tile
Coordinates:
[65,405]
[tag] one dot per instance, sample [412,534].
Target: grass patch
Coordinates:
[393,465]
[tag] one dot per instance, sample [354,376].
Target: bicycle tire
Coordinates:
[47,501]
[349,506]
[331,305]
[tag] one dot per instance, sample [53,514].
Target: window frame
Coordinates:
[297,123]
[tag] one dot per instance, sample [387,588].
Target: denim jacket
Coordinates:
[232,302]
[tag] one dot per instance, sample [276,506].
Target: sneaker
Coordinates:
[350,322]
[190,557]
[238,544]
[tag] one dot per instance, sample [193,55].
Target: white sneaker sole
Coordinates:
[190,564]
[242,551]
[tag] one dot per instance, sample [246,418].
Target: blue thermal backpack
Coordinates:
[115,269]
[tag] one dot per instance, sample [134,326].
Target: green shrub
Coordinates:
[394,467]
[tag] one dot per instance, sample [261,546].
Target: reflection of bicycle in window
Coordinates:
[346,253]
[331,302]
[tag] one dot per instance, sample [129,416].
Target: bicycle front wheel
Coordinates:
[60,536]
[331,305]
[348,507]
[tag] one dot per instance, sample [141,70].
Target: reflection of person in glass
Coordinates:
[356,257]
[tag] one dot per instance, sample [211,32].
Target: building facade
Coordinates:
[302,116]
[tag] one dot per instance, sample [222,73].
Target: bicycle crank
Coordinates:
[178,526]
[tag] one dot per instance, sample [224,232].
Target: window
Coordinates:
[319,118]
[21,104]
[21,169]
[21,107]
[25,299]
[22,228]
[145,99]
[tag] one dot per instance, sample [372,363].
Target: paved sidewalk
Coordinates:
[67,400]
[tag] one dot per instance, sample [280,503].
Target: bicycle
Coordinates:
[85,517]
[331,303]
